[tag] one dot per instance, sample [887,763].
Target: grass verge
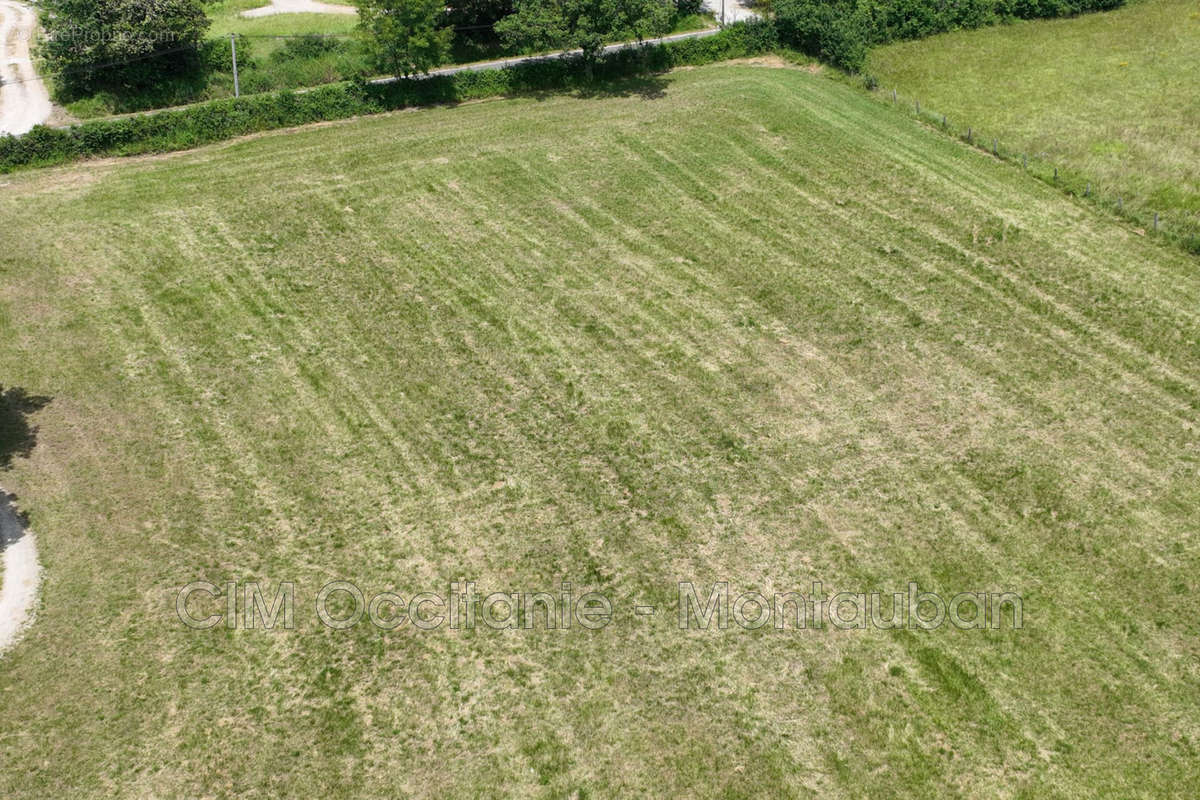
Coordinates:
[1109,99]
[281,52]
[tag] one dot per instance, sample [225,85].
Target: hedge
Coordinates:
[224,119]
[841,31]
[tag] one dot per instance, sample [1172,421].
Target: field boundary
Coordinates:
[217,120]
[474,66]
[1070,181]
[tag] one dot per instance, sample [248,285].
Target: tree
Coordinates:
[583,24]
[478,14]
[837,31]
[402,36]
[90,42]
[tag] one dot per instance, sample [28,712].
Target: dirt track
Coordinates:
[24,101]
[19,576]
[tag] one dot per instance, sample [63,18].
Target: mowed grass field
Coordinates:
[734,324]
[1112,99]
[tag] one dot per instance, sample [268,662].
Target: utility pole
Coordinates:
[722,13]
[233,49]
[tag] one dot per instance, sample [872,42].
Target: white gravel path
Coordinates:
[20,575]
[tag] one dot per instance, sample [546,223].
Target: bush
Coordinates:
[841,31]
[97,44]
[834,32]
[304,48]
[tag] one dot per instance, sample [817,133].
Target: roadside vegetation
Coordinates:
[405,37]
[1112,100]
[841,32]
[291,51]
[177,129]
[733,323]
[128,47]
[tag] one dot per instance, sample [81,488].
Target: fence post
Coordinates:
[237,91]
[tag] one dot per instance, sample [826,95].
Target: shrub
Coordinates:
[841,31]
[304,48]
[103,43]
[582,24]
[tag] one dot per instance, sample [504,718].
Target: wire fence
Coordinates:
[1147,221]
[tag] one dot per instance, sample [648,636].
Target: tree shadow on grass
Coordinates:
[647,87]
[17,436]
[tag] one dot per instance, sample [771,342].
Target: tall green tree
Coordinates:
[114,42]
[403,37]
[584,24]
[476,13]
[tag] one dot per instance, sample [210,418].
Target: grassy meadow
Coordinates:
[734,323]
[1112,99]
[226,17]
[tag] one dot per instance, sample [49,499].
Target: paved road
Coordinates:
[500,63]
[24,101]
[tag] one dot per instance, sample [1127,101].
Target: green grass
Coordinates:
[226,19]
[1112,99]
[740,324]
[692,22]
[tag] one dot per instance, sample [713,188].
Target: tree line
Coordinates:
[129,43]
[122,44]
